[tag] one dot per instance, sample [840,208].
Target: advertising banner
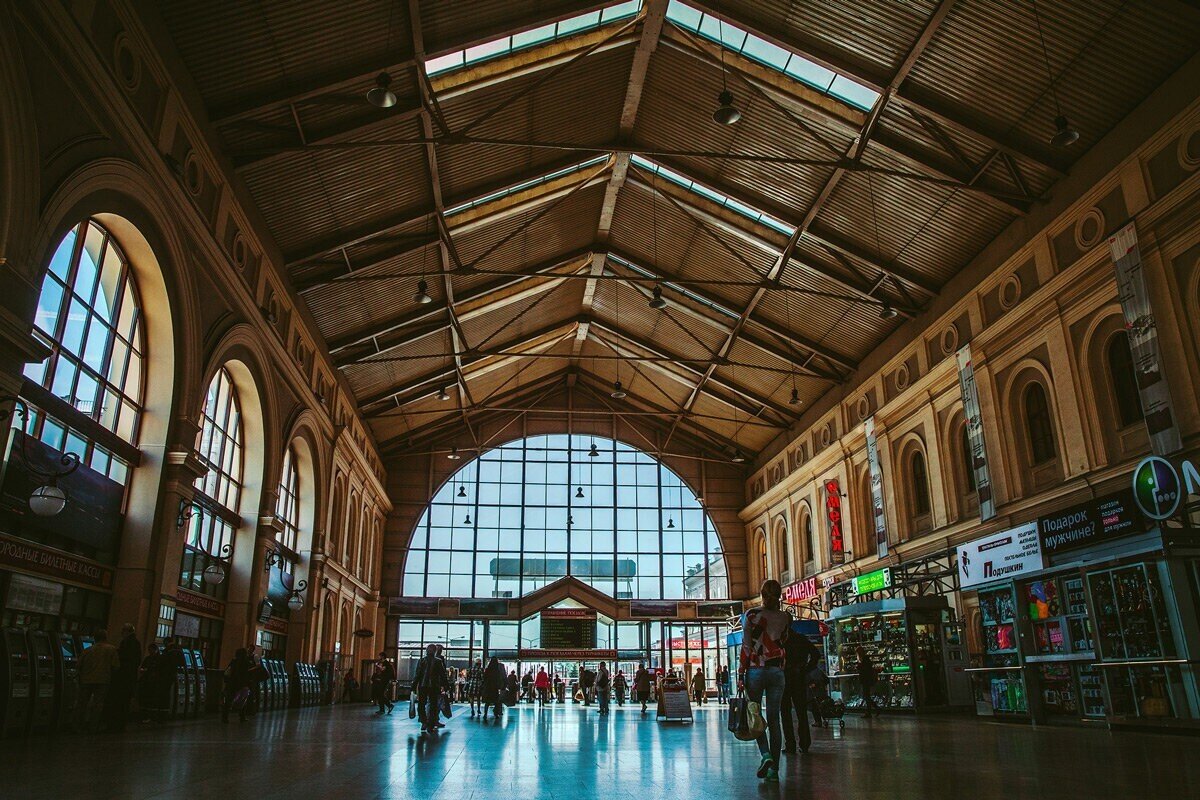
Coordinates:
[833,516]
[1001,556]
[979,462]
[881,538]
[1143,341]
[1090,523]
[872,581]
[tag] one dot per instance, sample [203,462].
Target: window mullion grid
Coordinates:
[662,565]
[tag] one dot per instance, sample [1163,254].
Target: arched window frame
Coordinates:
[1039,427]
[97,355]
[287,503]
[918,483]
[1122,377]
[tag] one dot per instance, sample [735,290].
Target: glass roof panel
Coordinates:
[543,33]
[527,184]
[755,47]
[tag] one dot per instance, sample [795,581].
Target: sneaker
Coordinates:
[772,775]
[765,767]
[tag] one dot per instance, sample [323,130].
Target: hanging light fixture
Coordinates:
[738,458]
[579,493]
[49,498]
[1065,134]
[453,454]
[443,394]
[725,114]
[887,312]
[381,96]
[618,391]
[593,452]
[467,519]
[795,399]
[422,295]
[570,520]
[657,300]
[462,491]
[671,522]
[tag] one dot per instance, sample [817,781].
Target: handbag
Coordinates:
[739,721]
[445,706]
[756,725]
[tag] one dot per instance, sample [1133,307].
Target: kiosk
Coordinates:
[16,682]
[198,693]
[183,691]
[68,651]
[45,679]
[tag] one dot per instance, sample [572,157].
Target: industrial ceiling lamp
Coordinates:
[422,295]
[593,452]
[467,519]
[1065,134]
[618,391]
[657,300]
[887,312]
[795,398]
[381,96]
[453,454]
[579,493]
[725,114]
[738,457]
[443,394]
[671,522]
[462,491]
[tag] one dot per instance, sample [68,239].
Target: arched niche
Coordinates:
[911,482]
[1111,400]
[1032,471]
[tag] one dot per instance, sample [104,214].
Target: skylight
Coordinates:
[530,38]
[777,58]
[523,185]
[715,196]
[676,287]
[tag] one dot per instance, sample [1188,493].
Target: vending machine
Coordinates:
[266,688]
[199,681]
[68,651]
[183,690]
[16,682]
[46,681]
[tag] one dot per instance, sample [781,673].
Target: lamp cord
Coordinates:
[1037,19]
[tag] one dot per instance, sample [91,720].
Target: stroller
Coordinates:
[829,709]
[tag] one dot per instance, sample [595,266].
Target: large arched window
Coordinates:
[807,528]
[783,554]
[1038,425]
[287,505]
[918,483]
[92,385]
[1124,380]
[532,511]
[210,534]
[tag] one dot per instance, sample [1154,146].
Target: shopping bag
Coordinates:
[739,718]
[445,706]
[756,725]
[412,706]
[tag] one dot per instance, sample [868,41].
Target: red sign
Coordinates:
[690,644]
[199,603]
[833,512]
[527,654]
[30,557]
[276,625]
[800,591]
[569,613]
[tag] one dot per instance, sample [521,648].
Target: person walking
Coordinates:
[642,685]
[124,680]
[475,686]
[818,692]
[428,682]
[867,675]
[801,657]
[542,684]
[603,687]
[560,689]
[149,695]
[527,685]
[699,688]
[620,686]
[238,685]
[492,687]
[96,667]
[383,673]
[349,684]
[723,684]
[587,684]
[764,629]
[512,689]
[460,686]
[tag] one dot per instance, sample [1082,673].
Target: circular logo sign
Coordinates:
[1156,487]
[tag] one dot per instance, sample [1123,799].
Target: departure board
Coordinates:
[568,629]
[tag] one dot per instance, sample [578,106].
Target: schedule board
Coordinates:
[568,629]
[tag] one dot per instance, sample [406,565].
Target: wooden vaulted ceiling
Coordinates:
[552,281]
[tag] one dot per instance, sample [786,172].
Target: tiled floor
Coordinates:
[570,752]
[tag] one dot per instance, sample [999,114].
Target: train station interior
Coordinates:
[368,366]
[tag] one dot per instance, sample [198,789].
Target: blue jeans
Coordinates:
[768,681]
[603,694]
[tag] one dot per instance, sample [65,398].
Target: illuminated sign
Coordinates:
[833,515]
[872,581]
[800,591]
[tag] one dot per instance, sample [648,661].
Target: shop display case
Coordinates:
[1132,625]
[998,685]
[884,637]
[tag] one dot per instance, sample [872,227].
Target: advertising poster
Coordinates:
[1143,341]
[970,401]
[1090,523]
[833,516]
[1001,556]
[881,538]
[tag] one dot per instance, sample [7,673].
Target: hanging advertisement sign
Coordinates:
[872,581]
[971,410]
[1143,341]
[800,591]
[881,538]
[1001,556]
[1090,523]
[833,516]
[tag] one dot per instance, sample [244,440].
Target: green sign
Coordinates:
[873,581]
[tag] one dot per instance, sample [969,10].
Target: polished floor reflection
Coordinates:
[570,752]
